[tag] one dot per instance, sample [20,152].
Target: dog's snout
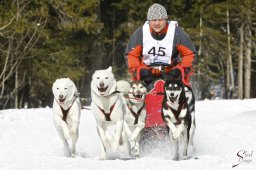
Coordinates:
[172,94]
[101,84]
[137,92]
[61,96]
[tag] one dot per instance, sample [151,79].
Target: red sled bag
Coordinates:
[153,103]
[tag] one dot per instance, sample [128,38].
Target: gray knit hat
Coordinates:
[156,11]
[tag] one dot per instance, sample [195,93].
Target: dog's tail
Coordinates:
[123,86]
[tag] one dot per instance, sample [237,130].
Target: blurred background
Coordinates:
[42,40]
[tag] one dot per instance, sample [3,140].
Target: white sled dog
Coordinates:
[66,113]
[178,112]
[135,115]
[108,108]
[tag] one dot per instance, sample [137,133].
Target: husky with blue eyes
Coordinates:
[178,114]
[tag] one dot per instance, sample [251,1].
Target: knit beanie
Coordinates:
[156,11]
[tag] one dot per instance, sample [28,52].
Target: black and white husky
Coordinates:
[135,115]
[178,113]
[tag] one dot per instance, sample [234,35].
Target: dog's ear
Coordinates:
[53,87]
[143,83]
[72,89]
[109,69]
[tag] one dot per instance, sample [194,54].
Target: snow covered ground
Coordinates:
[225,136]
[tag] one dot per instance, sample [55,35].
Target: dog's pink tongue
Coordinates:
[138,99]
[102,89]
[61,100]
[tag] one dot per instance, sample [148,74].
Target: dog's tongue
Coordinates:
[102,89]
[138,97]
[62,100]
[173,99]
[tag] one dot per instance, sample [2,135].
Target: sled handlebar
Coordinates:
[160,64]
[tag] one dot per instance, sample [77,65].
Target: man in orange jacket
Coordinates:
[159,41]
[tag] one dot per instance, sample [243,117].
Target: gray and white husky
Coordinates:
[135,115]
[178,112]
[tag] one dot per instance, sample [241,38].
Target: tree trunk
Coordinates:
[113,41]
[241,63]
[201,31]
[230,75]
[16,97]
[248,53]
[199,56]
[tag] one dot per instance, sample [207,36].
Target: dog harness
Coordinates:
[107,115]
[65,112]
[136,115]
[175,112]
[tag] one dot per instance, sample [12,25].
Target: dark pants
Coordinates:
[147,76]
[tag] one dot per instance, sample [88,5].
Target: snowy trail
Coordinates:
[29,141]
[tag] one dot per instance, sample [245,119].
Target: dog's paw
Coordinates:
[135,151]
[176,135]
[73,155]
[103,157]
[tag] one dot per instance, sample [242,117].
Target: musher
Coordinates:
[159,41]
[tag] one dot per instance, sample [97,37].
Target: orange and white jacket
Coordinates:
[167,46]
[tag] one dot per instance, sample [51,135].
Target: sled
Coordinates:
[153,103]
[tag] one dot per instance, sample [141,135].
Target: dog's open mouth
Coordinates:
[138,96]
[62,100]
[102,89]
[173,99]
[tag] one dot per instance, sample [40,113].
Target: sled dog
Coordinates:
[179,116]
[108,108]
[135,115]
[66,113]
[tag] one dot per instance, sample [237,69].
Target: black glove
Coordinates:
[146,75]
[175,74]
